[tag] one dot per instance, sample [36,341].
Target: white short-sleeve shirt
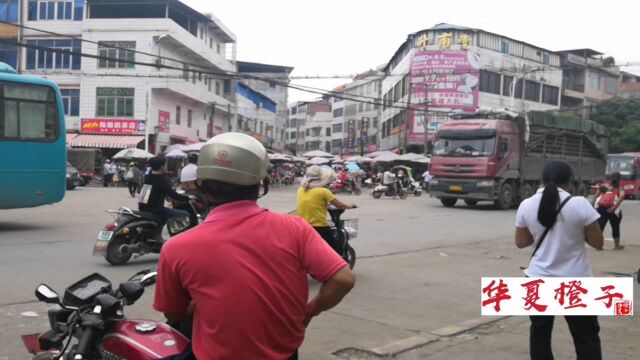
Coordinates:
[563,252]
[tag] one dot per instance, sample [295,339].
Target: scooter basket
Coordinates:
[352,223]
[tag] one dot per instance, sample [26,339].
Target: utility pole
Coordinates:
[426,122]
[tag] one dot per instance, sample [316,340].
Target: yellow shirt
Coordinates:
[312,205]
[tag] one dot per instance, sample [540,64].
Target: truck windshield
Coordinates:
[620,164]
[465,147]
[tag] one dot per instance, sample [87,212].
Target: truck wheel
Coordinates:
[449,202]
[527,191]
[471,202]
[505,197]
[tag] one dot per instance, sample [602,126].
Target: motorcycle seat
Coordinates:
[149,216]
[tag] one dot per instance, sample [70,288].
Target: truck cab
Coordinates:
[471,157]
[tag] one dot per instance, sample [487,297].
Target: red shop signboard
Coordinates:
[112,126]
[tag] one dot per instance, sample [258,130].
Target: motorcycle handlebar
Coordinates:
[84,343]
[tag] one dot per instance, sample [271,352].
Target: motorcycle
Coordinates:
[348,186]
[139,233]
[344,231]
[395,189]
[93,313]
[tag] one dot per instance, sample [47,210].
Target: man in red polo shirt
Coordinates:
[244,270]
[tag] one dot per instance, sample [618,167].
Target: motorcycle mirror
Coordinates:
[149,279]
[131,291]
[45,294]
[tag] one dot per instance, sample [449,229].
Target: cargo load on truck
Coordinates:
[498,156]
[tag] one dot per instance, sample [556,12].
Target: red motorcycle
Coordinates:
[92,312]
[348,186]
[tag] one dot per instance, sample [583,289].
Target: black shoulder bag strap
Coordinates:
[546,231]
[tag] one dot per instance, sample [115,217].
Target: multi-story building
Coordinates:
[256,115]
[309,126]
[132,73]
[588,79]
[448,69]
[629,85]
[9,34]
[257,78]
[337,123]
[361,113]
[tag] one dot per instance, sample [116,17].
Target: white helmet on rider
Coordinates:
[233,158]
[189,173]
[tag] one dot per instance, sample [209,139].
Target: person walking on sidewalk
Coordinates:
[108,172]
[565,222]
[607,204]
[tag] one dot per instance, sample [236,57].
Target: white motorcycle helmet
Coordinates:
[233,158]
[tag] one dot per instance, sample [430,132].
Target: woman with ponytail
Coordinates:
[558,225]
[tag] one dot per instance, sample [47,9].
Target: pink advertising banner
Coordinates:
[445,81]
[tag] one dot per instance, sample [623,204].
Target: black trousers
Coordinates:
[327,234]
[584,330]
[133,187]
[614,219]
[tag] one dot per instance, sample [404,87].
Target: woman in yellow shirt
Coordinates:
[313,199]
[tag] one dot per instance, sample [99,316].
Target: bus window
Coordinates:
[28,113]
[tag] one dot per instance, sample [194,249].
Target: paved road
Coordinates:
[418,264]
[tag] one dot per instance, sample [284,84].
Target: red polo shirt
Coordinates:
[245,269]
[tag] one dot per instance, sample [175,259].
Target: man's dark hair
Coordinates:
[156,163]
[615,180]
[219,193]
[193,158]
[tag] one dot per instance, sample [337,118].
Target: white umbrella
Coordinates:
[376,154]
[317,161]
[425,160]
[280,157]
[173,147]
[317,153]
[177,153]
[337,160]
[386,158]
[193,147]
[410,157]
[132,153]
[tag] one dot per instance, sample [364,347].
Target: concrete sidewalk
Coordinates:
[442,308]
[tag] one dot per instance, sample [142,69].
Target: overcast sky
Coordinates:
[341,37]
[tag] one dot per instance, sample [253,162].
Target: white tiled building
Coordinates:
[309,126]
[189,102]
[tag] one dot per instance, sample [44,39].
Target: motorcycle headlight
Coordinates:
[485,183]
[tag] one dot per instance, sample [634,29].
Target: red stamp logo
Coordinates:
[623,308]
[223,155]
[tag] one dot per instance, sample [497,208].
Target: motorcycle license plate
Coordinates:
[105,235]
[455,188]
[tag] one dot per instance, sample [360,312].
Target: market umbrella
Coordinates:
[173,147]
[410,157]
[132,153]
[353,167]
[317,161]
[386,158]
[177,153]
[376,154]
[317,153]
[425,160]
[192,147]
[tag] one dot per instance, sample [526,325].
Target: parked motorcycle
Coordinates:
[139,233]
[348,187]
[395,189]
[344,231]
[93,313]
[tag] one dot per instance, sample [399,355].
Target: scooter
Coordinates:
[139,233]
[348,186]
[396,189]
[344,231]
[92,312]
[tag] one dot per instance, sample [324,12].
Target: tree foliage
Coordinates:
[622,118]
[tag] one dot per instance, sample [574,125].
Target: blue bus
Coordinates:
[33,158]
